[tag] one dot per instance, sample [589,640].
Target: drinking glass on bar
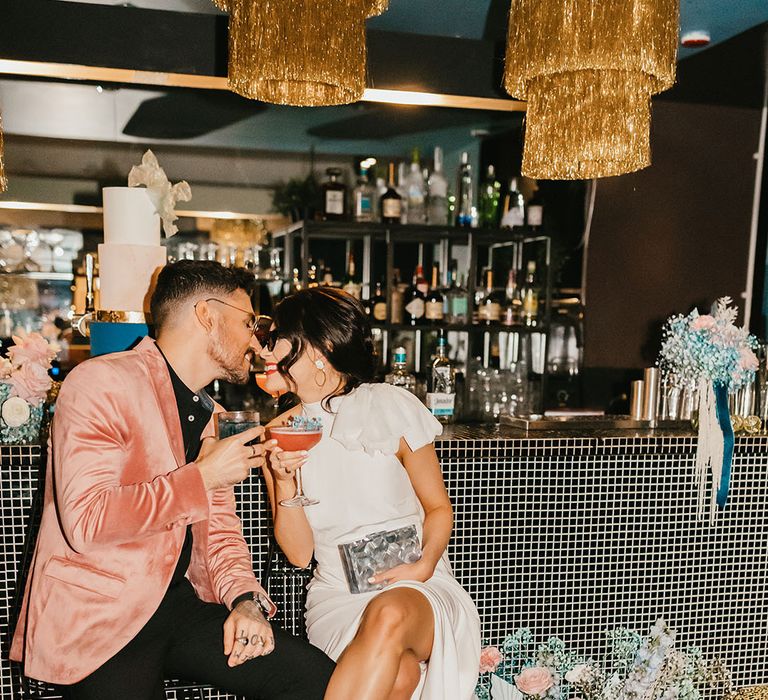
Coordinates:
[231,423]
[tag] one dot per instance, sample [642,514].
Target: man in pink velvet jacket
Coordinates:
[140,570]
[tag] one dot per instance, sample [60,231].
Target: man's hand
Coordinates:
[247,634]
[227,462]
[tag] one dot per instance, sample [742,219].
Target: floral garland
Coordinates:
[638,668]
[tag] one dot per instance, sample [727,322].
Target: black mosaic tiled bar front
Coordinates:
[565,534]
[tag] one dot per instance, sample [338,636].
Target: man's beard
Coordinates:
[229,361]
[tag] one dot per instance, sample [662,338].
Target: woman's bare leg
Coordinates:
[395,634]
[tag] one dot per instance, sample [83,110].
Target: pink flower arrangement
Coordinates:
[703,323]
[490,658]
[26,370]
[748,360]
[534,680]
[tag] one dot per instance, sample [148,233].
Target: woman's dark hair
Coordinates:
[184,280]
[334,323]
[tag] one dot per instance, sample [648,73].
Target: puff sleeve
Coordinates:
[375,416]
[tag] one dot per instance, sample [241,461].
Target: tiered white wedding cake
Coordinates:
[131,255]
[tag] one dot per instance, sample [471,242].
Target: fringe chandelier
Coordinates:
[299,52]
[3,179]
[588,69]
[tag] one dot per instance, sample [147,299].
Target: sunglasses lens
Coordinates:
[261,331]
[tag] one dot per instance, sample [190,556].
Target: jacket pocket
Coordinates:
[85,577]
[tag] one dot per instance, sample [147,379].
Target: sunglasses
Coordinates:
[264,333]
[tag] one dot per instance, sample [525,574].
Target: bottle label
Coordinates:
[434,310]
[459,306]
[391,208]
[489,312]
[441,404]
[380,311]
[334,202]
[535,214]
[363,206]
[415,308]
[513,217]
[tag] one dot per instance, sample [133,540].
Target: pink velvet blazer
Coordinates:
[118,499]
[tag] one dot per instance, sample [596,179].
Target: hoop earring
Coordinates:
[321,367]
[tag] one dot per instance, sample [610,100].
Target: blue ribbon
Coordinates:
[724,419]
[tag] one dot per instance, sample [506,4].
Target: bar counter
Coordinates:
[565,533]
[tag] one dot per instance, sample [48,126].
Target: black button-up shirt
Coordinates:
[195,410]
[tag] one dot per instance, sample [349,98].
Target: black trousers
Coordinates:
[184,640]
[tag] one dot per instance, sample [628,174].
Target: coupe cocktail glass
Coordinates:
[293,439]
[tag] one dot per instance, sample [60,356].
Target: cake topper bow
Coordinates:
[162,194]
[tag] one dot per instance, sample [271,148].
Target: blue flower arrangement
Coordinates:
[709,347]
[638,668]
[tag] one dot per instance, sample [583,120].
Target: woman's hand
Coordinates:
[247,634]
[421,570]
[284,464]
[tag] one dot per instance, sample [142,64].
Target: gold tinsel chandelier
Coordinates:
[3,180]
[298,52]
[588,69]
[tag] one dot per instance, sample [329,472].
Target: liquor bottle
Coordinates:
[433,308]
[513,303]
[334,196]
[465,196]
[351,285]
[400,376]
[457,299]
[489,309]
[530,294]
[402,190]
[535,210]
[377,305]
[396,299]
[415,192]
[514,207]
[490,191]
[413,311]
[391,201]
[441,392]
[437,209]
[363,197]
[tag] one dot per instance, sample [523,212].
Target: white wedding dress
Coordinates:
[363,488]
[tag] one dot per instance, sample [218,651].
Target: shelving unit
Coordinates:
[479,243]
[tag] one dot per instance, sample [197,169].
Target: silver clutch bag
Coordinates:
[378,552]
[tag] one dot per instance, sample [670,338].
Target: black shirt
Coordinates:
[195,410]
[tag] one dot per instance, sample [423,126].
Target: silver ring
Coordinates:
[243,640]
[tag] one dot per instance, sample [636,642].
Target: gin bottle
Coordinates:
[441,395]
[414,184]
[400,376]
[437,209]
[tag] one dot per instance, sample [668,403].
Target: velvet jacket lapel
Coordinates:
[163,390]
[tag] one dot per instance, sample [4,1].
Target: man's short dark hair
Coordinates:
[184,280]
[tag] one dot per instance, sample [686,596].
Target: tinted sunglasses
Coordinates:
[264,334]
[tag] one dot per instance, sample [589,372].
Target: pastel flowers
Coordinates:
[534,680]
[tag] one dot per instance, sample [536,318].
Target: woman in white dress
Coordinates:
[374,469]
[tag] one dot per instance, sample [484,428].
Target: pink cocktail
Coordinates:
[295,439]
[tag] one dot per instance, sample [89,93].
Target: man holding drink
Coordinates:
[141,572]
